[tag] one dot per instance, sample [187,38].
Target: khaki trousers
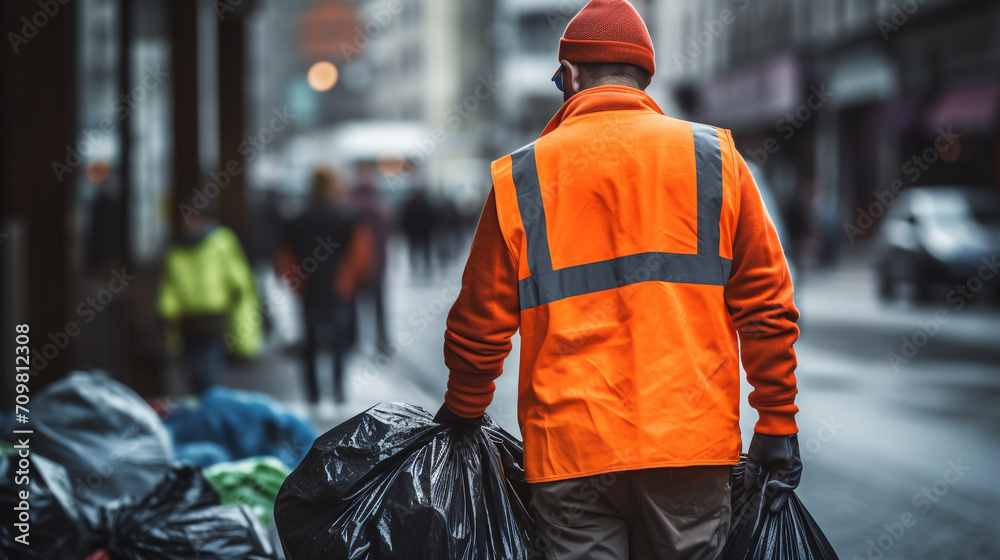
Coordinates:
[655,514]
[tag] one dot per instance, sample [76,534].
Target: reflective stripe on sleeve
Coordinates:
[708,160]
[529,202]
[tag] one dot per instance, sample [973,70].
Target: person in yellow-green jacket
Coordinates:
[209,299]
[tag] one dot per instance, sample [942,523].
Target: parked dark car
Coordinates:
[937,235]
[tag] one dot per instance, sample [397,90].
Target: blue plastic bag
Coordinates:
[202,454]
[244,424]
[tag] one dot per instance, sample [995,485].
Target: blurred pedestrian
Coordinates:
[446,231]
[373,212]
[268,223]
[633,252]
[799,219]
[827,215]
[105,237]
[325,255]
[208,297]
[418,227]
[104,257]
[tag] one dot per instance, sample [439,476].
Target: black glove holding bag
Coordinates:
[447,417]
[779,455]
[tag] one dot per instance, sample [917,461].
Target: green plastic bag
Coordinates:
[252,482]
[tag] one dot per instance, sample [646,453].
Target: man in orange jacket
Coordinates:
[633,252]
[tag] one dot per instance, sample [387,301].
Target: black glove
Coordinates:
[780,456]
[447,417]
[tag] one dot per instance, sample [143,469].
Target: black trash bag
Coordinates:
[111,442]
[181,519]
[56,528]
[757,534]
[391,483]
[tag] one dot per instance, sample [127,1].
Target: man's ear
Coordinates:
[571,76]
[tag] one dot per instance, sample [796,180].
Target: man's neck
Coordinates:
[613,81]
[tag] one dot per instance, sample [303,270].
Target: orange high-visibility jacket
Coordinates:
[640,250]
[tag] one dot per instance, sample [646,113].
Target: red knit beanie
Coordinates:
[608,31]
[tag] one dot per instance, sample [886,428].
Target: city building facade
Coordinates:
[831,100]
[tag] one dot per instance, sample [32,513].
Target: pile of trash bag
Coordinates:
[56,527]
[756,533]
[228,425]
[181,519]
[104,485]
[111,443]
[250,482]
[392,483]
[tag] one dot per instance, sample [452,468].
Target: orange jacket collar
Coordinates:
[603,98]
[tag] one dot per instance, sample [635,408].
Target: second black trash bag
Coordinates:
[110,441]
[758,534]
[181,519]
[390,483]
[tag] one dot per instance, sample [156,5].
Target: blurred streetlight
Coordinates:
[322,76]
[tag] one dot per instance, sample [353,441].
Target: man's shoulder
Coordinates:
[696,124]
[683,125]
[522,149]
